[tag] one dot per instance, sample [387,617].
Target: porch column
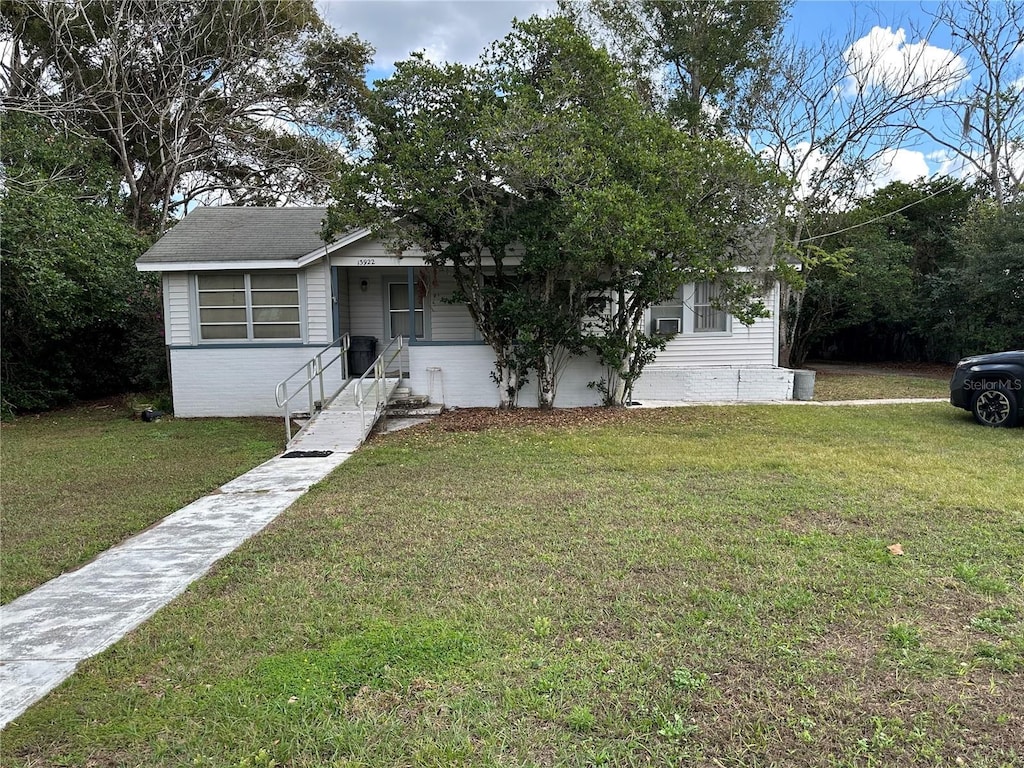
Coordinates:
[411,286]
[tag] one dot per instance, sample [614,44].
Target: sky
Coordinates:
[458,30]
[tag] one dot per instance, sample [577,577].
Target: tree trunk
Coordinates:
[546,382]
[508,381]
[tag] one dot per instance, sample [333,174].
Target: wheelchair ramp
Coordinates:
[343,425]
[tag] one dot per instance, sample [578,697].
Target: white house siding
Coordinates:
[448,322]
[344,311]
[464,373]
[177,308]
[755,345]
[366,309]
[751,345]
[319,324]
[715,367]
[571,390]
[368,248]
[237,381]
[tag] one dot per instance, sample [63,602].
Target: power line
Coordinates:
[885,215]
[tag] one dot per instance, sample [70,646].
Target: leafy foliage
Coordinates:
[78,320]
[706,53]
[932,273]
[983,300]
[242,100]
[550,189]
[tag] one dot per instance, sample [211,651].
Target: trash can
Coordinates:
[803,385]
[362,351]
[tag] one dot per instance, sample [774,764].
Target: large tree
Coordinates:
[78,319]
[980,123]
[563,206]
[240,100]
[695,59]
[978,303]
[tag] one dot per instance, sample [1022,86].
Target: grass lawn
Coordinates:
[77,481]
[829,385]
[701,586]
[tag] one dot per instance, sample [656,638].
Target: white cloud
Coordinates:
[883,58]
[949,164]
[958,167]
[891,165]
[446,30]
[807,165]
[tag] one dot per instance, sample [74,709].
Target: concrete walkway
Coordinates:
[332,428]
[45,633]
[826,403]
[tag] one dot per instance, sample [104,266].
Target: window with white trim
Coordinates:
[398,310]
[261,306]
[691,310]
[667,317]
[707,318]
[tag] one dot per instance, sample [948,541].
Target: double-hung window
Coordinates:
[706,317]
[398,310]
[249,307]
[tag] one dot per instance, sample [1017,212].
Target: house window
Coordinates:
[249,307]
[667,318]
[691,310]
[706,317]
[398,310]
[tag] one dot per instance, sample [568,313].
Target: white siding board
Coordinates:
[344,322]
[448,322]
[366,308]
[318,304]
[369,248]
[744,346]
[755,345]
[177,305]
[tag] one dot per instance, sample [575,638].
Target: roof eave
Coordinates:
[328,248]
[221,266]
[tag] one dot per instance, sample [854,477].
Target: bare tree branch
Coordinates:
[186,91]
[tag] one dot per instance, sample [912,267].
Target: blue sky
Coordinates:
[459,29]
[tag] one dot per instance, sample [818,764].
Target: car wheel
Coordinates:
[995,406]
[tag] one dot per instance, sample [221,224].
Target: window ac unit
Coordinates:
[666,326]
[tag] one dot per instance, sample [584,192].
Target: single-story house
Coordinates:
[252,294]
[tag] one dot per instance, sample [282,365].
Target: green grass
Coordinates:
[701,586]
[859,386]
[76,482]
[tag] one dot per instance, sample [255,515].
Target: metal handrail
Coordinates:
[314,370]
[379,370]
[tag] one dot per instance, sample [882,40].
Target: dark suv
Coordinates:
[991,387]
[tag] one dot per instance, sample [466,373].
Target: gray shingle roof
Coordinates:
[227,233]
